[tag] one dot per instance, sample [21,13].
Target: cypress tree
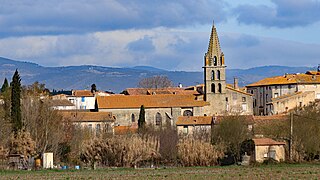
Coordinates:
[16,102]
[5,85]
[142,118]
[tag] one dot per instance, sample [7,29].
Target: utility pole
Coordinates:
[291,136]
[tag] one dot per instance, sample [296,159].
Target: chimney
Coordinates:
[235,83]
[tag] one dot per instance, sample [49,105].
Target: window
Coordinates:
[243,99]
[185,129]
[187,113]
[90,127]
[227,99]
[108,128]
[213,88]
[133,118]
[267,97]
[289,86]
[219,88]
[218,74]
[82,99]
[276,95]
[212,75]
[276,87]
[98,129]
[215,60]
[158,119]
[244,107]
[221,62]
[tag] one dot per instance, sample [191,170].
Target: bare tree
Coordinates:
[155,82]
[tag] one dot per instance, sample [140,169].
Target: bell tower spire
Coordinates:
[214,75]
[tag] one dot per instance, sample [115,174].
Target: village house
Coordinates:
[189,125]
[265,148]
[95,122]
[159,109]
[279,94]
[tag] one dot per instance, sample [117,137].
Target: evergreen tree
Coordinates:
[93,88]
[142,118]
[16,102]
[5,85]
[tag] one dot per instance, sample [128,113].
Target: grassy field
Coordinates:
[282,171]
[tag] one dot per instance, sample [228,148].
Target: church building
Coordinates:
[213,98]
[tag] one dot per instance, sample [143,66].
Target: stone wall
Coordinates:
[262,152]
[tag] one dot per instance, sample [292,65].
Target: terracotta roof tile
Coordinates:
[194,120]
[266,142]
[81,93]
[239,91]
[288,79]
[78,116]
[154,101]
[121,130]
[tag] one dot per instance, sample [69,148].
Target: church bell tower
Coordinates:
[214,76]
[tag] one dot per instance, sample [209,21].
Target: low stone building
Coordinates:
[268,148]
[61,104]
[96,122]
[188,125]
[159,109]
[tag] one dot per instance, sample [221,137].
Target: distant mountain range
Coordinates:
[118,79]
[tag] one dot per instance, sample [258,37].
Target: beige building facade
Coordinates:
[159,109]
[268,148]
[268,91]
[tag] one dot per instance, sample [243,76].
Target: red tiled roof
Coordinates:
[307,78]
[154,101]
[266,142]
[121,130]
[194,120]
[78,116]
[238,90]
[81,93]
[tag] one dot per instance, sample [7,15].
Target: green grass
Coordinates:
[280,171]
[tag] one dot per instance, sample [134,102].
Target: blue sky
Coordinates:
[168,34]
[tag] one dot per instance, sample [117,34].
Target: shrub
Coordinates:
[119,150]
[192,152]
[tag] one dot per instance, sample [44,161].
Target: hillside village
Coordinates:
[196,109]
